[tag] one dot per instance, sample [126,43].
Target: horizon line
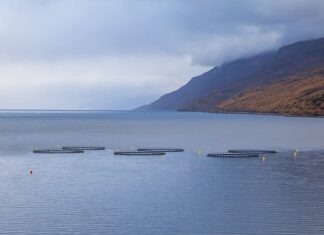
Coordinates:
[72,110]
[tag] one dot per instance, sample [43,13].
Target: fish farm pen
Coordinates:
[233,155]
[84,148]
[57,151]
[139,153]
[160,150]
[257,151]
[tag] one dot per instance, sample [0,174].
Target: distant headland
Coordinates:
[289,81]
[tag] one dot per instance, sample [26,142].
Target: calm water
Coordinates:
[186,193]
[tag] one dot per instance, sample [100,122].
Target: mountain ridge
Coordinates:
[286,81]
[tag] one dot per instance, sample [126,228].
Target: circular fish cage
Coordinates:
[160,150]
[57,151]
[83,148]
[139,153]
[233,155]
[255,151]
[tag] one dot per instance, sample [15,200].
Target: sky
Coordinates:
[120,54]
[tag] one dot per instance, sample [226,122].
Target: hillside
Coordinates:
[288,81]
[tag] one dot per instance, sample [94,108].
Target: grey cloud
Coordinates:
[83,28]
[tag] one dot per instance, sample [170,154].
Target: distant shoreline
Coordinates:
[256,113]
[134,110]
[58,110]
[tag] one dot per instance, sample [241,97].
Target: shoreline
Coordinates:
[255,113]
[161,110]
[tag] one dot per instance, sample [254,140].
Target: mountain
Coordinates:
[287,81]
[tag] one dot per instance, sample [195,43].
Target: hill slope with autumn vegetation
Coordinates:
[289,81]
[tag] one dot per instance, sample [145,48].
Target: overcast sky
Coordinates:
[102,54]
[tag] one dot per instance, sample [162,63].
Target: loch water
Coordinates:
[180,193]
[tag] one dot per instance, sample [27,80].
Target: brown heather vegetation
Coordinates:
[302,95]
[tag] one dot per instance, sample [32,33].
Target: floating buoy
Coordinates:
[30,172]
[264,158]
